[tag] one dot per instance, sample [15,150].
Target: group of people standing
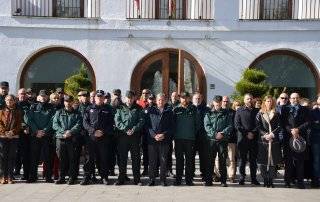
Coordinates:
[58,130]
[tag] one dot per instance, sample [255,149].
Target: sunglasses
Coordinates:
[284,98]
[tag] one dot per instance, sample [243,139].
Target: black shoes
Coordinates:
[144,173]
[137,182]
[189,183]
[118,183]
[224,184]
[49,180]
[255,182]
[287,185]
[85,181]
[177,183]
[105,181]
[164,183]
[241,182]
[151,183]
[301,186]
[208,184]
[72,181]
[61,181]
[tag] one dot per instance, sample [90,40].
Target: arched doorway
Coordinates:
[286,68]
[48,68]
[169,70]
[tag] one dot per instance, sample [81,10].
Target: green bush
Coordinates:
[78,82]
[252,81]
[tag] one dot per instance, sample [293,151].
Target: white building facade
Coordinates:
[165,45]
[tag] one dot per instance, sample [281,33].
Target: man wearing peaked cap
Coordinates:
[39,118]
[4,90]
[67,124]
[186,127]
[99,122]
[218,125]
[129,121]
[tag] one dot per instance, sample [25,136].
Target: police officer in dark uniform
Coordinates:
[67,124]
[99,122]
[83,97]
[186,120]
[218,125]
[39,119]
[245,124]
[129,120]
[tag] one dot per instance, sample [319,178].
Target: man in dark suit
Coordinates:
[296,119]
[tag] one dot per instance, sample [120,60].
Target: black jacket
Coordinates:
[99,118]
[202,111]
[233,135]
[245,121]
[263,128]
[158,122]
[300,121]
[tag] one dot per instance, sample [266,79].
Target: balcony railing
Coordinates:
[170,9]
[279,9]
[57,8]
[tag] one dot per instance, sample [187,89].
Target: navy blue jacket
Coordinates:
[300,121]
[159,123]
[99,118]
[245,121]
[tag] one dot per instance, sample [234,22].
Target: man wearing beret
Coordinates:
[186,119]
[98,120]
[67,125]
[129,121]
[218,125]
[4,90]
[39,119]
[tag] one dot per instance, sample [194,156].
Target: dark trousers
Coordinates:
[113,154]
[294,165]
[201,141]
[66,150]
[248,147]
[37,146]
[169,159]
[80,142]
[8,149]
[184,151]
[268,174]
[145,155]
[158,152]
[23,155]
[220,149]
[99,151]
[126,144]
[315,147]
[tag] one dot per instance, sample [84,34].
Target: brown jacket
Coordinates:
[10,121]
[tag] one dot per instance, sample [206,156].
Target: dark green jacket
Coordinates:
[64,120]
[129,118]
[82,108]
[218,121]
[186,121]
[39,117]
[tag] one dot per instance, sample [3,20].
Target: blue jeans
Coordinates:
[315,146]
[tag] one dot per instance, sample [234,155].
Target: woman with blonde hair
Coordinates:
[10,127]
[269,153]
